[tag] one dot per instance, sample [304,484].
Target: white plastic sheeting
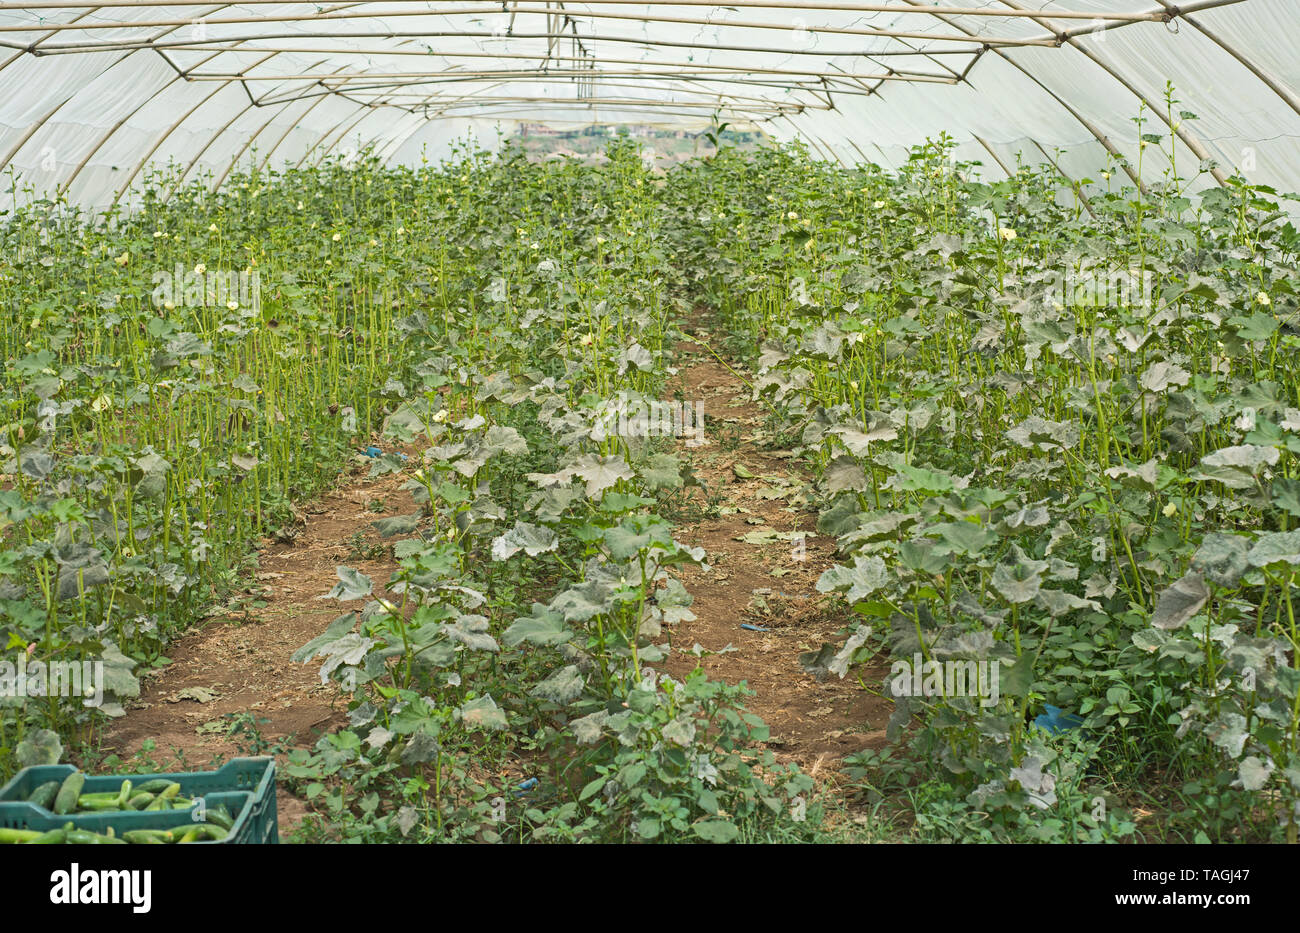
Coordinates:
[96,99]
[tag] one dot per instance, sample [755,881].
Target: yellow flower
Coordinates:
[1262,298]
[101,403]
[232,304]
[212,228]
[336,237]
[1170,510]
[1006,233]
[169,305]
[876,205]
[441,416]
[585,340]
[793,215]
[200,269]
[123,259]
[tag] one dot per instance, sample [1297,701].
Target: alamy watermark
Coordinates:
[950,678]
[1102,288]
[627,417]
[201,287]
[22,678]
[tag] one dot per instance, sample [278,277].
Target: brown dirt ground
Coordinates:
[243,657]
[765,584]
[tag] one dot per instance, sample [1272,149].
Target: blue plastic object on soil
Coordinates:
[525,786]
[753,628]
[1055,721]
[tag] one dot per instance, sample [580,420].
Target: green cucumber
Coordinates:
[55,837]
[221,817]
[44,795]
[87,802]
[154,785]
[139,801]
[149,836]
[10,836]
[84,837]
[69,791]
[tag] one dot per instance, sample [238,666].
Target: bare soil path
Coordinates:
[238,662]
[761,576]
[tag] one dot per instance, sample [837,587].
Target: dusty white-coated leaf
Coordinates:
[840,664]
[1182,600]
[1162,375]
[562,686]
[484,713]
[526,537]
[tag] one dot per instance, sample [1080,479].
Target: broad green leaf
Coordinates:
[397,525]
[1276,547]
[715,830]
[543,627]
[864,577]
[353,584]
[336,629]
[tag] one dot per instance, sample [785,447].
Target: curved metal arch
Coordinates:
[584,14]
[1188,138]
[140,164]
[1083,121]
[215,136]
[292,126]
[1270,82]
[371,111]
[247,143]
[363,108]
[32,49]
[67,182]
[1074,185]
[996,158]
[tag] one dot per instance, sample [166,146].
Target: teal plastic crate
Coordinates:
[245,830]
[253,776]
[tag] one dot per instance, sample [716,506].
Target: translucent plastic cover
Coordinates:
[94,98]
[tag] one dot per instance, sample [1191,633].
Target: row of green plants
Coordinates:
[1055,431]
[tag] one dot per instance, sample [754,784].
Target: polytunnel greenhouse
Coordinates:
[609,422]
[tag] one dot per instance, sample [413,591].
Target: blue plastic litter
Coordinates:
[754,628]
[526,786]
[376,452]
[1055,721]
